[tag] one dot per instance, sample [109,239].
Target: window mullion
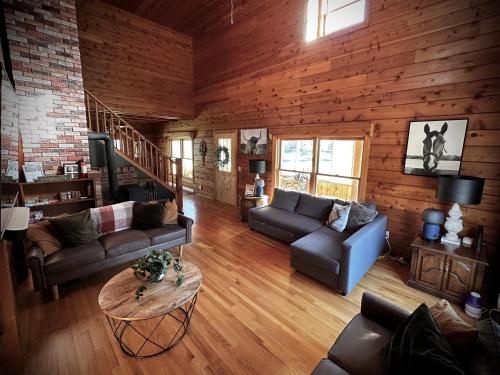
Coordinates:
[314,173]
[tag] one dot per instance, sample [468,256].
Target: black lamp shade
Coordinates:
[257,166]
[460,189]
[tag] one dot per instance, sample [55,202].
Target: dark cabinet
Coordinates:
[446,272]
[430,269]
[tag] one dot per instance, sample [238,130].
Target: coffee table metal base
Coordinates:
[119,327]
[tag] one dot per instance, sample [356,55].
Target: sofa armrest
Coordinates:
[187,223]
[381,311]
[35,261]
[360,251]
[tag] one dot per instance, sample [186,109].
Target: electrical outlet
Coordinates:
[386,234]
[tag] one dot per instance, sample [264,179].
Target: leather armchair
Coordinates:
[360,346]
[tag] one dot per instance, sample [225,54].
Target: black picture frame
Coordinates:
[435,147]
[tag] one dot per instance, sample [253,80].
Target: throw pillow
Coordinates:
[359,215]
[461,336]
[171,213]
[315,207]
[41,235]
[338,217]
[75,229]
[285,200]
[418,347]
[148,215]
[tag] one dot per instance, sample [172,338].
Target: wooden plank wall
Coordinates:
[414,59]
[134,65]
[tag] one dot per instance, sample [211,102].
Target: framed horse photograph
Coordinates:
[435,147]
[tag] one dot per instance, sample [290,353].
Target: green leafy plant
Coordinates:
[154,267]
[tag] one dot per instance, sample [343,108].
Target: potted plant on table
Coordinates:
[154,267]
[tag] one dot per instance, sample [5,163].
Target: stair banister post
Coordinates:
[178,183]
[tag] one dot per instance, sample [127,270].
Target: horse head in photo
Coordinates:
[433,147]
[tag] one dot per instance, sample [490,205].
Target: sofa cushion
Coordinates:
[74,256]
[316,207]
[327,367]
[148,215]
[290,221]
[167,233]
[461,336]
[362,339]
[418,347]
[124,241]
[323,248]
[74,229]
[359,215]
[113,217]
[337,220]
[41,235]
[285,200]
[171,215]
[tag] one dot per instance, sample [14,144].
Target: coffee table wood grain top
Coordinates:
[117,297]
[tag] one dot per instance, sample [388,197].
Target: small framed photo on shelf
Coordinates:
[71,170]
[249,190]
[32,170]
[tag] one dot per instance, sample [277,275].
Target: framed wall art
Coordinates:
[435,147]
[253,141]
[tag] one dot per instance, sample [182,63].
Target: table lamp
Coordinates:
[257,166]
[457,190]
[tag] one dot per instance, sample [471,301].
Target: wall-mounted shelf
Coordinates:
[50,190]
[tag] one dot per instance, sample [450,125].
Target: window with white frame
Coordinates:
[329,16]
[183,148]
[324,167]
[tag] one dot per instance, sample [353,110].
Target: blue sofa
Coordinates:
[337,259]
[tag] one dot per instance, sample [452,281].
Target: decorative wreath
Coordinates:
[222,156]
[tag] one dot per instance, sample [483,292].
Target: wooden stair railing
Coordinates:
[134,147]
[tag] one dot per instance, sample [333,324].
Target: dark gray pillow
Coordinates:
[286,200]
[74,229]
[359,216]
[370,205]
[148,215]
[316,207]
[341,202]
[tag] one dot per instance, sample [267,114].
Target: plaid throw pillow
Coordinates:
[114,217]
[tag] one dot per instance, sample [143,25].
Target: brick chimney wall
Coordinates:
[43,39]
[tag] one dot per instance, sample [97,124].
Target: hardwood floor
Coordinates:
[254,313]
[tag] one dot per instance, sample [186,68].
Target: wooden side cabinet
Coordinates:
[251,202]
[446,272]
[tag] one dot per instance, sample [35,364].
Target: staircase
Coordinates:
[134,147]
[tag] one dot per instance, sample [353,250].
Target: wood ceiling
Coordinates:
[187,16]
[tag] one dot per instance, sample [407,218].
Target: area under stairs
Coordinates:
[134,147]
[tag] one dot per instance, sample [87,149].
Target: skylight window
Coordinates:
[328,16]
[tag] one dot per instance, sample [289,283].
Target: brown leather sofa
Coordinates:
[109,250]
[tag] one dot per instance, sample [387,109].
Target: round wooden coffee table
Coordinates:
[159,319]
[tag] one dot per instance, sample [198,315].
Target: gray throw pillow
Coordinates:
[338,217]
[75,229]
[286,200]
[315,207]
[359,215]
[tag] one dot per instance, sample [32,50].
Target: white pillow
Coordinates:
[338,217]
